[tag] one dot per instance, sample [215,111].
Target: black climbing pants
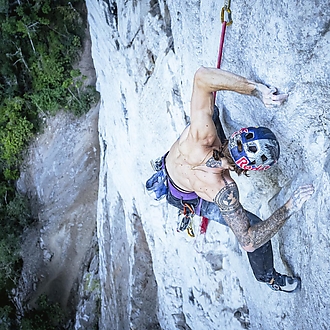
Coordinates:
[261,260]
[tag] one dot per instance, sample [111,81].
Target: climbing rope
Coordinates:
[224,23]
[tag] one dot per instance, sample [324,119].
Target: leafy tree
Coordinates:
[9,261]
[15,133]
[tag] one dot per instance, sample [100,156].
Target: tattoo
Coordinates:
[227,198]
[263,231]
[223,178]
[213,163]
[233,213]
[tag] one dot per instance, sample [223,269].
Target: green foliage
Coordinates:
[15,132]
[47,316]
[18,211]
[40,41]
[9,261]
[5,320]
[15,216]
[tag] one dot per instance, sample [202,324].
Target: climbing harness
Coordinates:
[160,185]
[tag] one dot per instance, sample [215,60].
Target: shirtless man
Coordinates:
[199,164]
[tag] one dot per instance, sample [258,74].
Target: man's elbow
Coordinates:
[246,242]
[248,248]
[200,76]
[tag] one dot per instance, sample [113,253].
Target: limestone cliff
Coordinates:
[145,54]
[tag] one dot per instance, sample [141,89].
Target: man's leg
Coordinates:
[261,260]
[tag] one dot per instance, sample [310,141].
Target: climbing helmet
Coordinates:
[254,148]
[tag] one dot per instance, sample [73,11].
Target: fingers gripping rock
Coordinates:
[269,96]
[300,196]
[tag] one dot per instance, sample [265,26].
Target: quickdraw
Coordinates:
[186,222]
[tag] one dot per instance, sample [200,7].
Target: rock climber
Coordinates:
[199,163]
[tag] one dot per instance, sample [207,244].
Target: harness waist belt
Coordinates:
[178,193]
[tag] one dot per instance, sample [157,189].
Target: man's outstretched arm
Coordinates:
[209,80]
[252,237]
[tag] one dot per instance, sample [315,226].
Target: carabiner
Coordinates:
[230,20]
[190,231]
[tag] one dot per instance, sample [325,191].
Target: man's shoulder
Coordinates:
[220,176]
[227,197]
[211,181]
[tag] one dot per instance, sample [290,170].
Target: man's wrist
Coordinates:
[257,92]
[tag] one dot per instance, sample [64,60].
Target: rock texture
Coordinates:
[145,55]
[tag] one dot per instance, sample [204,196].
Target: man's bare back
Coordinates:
[186,164]
[188,160]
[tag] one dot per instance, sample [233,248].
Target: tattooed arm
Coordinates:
[252,237]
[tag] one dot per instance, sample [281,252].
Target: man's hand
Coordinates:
[299,197]
[268,96]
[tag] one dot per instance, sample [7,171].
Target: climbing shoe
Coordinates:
[284,283]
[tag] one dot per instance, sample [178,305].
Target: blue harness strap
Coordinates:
[157,184]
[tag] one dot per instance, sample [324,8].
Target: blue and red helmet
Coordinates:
[254,148]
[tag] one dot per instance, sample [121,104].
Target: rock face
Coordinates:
[145,54]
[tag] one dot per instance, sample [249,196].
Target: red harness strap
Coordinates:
[204,224]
